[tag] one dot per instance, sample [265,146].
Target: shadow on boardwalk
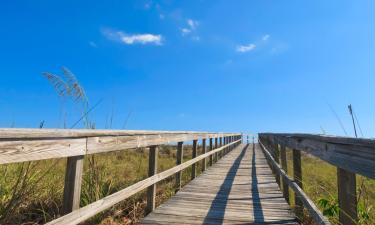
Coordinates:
[226,187]
[216,215]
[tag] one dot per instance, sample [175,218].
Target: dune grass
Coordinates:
[31,193]
[320,184]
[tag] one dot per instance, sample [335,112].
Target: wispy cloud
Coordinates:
[185,31]
[93,44]
[131,39]
[266,37]
[148,5]
[191,26]
[245,48]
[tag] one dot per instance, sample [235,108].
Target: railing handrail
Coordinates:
[20,145]
[94,208]
[356,155]
[313,210]
[351,156]
[32,133]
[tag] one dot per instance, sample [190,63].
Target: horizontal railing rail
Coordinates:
[21,145]
[313,210]
[356,155]
[351,156]
[92,209]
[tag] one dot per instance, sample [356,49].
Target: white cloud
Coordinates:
[245,48]
[130,39]
[141,38]
[266,37]
[93,44]
[185,31]
[192,24]
[196,38]
[148,5]
[190,28]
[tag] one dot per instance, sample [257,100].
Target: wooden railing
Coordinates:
[351,156]
[20,145]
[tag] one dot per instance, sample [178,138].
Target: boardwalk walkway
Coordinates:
[239,189]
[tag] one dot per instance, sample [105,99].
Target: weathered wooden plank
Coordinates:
[92,209]
[211,156]
[355,155]
[297,175]
[204,151]
[194,154]
[21,151]
[179,160]
[19,145]
[276,154]
[25,133]
[73,183]
[152,170]
[284,166]
[346,185]
[308,203]
[221,144]
[216,154]
[239,189]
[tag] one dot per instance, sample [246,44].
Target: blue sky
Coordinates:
[247,66]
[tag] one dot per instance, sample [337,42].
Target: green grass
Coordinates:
[39,198]
[320,182]
[40,195]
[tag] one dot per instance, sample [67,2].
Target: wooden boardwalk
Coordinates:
[239,189]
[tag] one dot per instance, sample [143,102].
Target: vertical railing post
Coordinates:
[216,154]
[180,155]
[284,166]
[346,184]
[276,154]
[204,151]
[225,142]
[297,173]
[73,182]
[152,170]
[221,144]
[211,156]
[194,154]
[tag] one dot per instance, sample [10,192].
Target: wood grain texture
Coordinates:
[216,146]
[29,150]
[194,154]
[20,145]
[179,160]
[355,155]
[313,210]
[284,166]
[73,183]
[25,133]
[297,175]
[94,208]
[211,156]
[152,170]
[347,194]
[239,189]
[276,155]
[204,151]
